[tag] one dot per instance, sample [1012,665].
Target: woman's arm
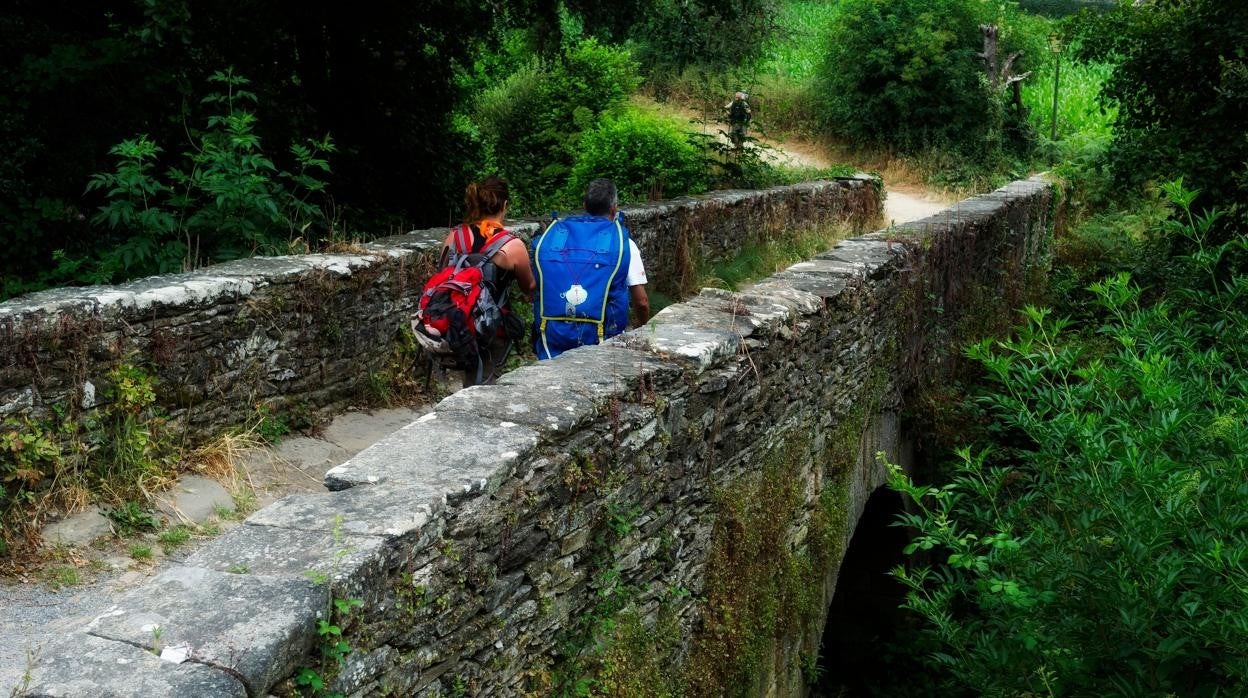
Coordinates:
[514,257]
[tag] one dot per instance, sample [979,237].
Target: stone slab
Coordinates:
[457,454]
[390,510]
[355,431]
[548,409]
[195,499]
[697,336]
[558,396]
[86,666]
[269,550]
[597,372]
[78,529]
[313,456]
[258,627]
[874,257]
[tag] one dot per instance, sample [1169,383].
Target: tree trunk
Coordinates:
[990,55]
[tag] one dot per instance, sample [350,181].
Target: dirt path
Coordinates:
[906,200]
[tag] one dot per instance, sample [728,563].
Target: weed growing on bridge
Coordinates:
[760,589]
[399,381]
[333,647]
[270,425]
[119,453]
[174,538]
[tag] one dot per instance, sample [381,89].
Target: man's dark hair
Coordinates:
[600,197]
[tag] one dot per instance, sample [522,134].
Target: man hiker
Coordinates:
[739,115]
[587,270]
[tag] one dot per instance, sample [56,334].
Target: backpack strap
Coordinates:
[496,245]
[462,240]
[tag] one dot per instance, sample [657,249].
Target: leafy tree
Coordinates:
[1181,88]
[908,74]
[1108,554]
[533,120]
[715,34]
[79,78]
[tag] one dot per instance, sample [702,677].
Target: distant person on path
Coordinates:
[739,115]
[588,269]
[464,316]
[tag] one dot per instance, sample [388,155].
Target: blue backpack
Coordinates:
[581,265]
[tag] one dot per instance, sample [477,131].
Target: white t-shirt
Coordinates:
[636,269]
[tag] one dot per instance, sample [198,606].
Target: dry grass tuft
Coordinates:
[223,458]
[353,247]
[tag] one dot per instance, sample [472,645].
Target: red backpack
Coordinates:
[461,304]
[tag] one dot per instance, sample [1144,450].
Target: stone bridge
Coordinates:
[666,513]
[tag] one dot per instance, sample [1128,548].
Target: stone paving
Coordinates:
[31,613]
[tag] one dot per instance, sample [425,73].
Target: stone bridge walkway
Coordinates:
[31,612]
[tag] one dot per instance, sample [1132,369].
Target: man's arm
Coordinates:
[640,303]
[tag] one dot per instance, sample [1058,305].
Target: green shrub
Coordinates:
[593,77]
[228,199]
[1102,547]
[133,444]
[532,120]
[905,73]
[29,456]
[647,156]
[130,518]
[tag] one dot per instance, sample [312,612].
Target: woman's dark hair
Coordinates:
[485,198]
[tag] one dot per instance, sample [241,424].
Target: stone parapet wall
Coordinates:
[483,538]
[303,334]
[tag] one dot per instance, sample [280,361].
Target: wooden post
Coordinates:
[1057,78]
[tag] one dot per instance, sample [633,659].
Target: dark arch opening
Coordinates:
[858,656]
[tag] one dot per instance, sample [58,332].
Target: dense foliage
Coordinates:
[1180,85]
[80,78]
[227,200]
[907,74]
[653,157]
[90,89]
[717,34]
[1102,547]
[531,121]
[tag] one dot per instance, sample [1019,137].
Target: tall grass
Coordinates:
[783,105]
[1078,108]
[767,257]
[798,49]
[1063,8]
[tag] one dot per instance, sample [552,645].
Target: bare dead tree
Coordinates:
[1001,74]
